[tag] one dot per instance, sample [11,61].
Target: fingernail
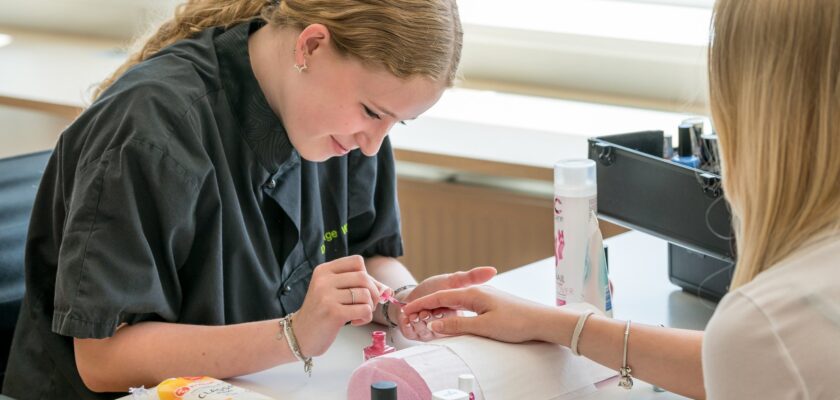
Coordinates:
[439,316]
[426,317]
[415,319]
[435,326]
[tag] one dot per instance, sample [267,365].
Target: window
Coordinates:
[643,52]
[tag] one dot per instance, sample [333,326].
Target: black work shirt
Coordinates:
[178,197]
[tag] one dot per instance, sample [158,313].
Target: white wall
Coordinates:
[23,131]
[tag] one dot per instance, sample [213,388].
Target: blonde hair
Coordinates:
[774,76]
[407,37]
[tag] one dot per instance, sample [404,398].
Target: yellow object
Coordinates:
[205,388]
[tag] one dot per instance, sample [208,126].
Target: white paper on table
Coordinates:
[438,365]
[532,370]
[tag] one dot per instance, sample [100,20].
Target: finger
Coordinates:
[361,280]
[454,326]
[425,316]
[421,330]
[475,276]
[385,292]
[407,329]
[442,312]
[354,296]
[451,298]
[357,314]
[345,264]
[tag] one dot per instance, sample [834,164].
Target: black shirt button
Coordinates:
[271,184]
[286,290]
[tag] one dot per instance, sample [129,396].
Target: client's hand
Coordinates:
[501,316]
[415,327]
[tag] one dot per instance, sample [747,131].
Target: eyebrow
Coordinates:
[390,114]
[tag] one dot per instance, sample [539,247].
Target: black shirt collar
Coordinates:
[260,126]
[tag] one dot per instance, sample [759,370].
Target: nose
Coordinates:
[372,140]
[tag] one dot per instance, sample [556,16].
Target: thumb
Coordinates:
[453,326]
[475,276]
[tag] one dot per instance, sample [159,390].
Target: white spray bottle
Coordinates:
[575,198]
[581,266]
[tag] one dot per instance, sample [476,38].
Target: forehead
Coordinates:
[405,97]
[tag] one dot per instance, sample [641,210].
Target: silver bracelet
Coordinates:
[388,321]
[578,328]
[626,380]
[287,331]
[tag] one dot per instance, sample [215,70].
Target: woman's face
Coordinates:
[346,106]
[337,104]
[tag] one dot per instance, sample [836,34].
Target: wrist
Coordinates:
[560,326]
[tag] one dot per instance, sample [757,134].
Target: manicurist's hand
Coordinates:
[340,291]
[501,316]
[414,326]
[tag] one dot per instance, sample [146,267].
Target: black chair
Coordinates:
[19,179]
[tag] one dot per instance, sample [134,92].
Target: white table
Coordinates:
[642,293]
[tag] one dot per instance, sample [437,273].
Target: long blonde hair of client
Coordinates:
[774,74]
[406,37]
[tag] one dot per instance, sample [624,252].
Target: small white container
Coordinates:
[450,394]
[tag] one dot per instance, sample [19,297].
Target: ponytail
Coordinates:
[190,18]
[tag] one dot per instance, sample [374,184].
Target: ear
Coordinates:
[313,38]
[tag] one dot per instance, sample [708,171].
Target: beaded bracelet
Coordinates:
[287,331]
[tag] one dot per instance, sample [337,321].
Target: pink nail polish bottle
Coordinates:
[378,346]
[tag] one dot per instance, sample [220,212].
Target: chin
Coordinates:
[315,156]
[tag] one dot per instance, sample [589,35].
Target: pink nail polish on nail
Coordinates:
[378,346]
[386,297]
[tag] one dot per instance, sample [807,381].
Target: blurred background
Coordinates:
[538,78]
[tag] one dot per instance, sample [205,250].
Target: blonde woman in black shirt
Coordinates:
[234,171]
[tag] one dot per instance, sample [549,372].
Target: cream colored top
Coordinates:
[778,337]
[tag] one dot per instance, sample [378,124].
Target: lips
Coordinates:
[341,149]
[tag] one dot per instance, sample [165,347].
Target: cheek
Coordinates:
[345,121]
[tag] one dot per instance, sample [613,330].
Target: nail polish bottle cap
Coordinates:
[575,178]
[685,141]
[383,390]
[466,383]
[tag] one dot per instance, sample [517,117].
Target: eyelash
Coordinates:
[371,113]
[374,115]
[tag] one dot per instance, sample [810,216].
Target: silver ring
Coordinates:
[352,296]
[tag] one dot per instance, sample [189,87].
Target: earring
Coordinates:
[301,68]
